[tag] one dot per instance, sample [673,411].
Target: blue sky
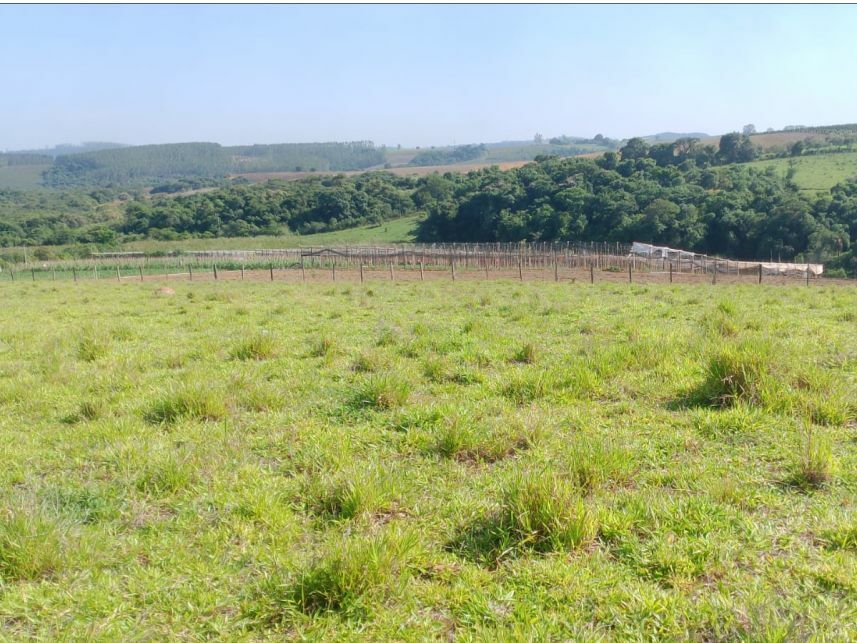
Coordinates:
[417,75]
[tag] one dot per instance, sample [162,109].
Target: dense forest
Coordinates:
[733,210]
[147,164]
[448,155]
[301,157]
[23,158]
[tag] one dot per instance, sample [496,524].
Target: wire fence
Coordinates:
[557,261]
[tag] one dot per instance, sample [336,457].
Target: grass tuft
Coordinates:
[367,362]
[813,464]
[468,440]
[31,545]
[350,581]
[323,347]
[539,512]
[526,354]
[197,402]
[735,375]
[527,386]
[259,346]
[347,494]
[841,537]
[90,348]
[382,392]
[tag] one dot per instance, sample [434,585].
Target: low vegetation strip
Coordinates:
[387,461]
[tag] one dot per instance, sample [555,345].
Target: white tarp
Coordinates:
[707,263]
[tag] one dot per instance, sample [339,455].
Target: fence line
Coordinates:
[556,257]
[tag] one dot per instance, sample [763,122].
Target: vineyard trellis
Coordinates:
[557,258]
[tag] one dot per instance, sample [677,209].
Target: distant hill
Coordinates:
[671,137]
[70,148]
[148,164]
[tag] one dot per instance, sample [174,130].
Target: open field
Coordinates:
[817,173]
[767,140]
[495,460]
[394,231]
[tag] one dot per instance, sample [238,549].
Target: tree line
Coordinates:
[148,164]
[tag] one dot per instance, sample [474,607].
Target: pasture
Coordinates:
[401,230]
[406,460]
[815,173]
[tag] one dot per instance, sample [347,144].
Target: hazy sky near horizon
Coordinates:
[416,74]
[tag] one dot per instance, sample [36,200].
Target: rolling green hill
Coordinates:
[815,173]
[148,164]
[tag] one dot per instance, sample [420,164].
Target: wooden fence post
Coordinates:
[760,273]
[118,274]
[141,273]
[190,272]
[303,269]
[671,271]
[555,270]
[422,277]
[214,267]
[452,265]
[629,272]
[361,273]
[242,272]
[34,273]
[272,272]
[53,274]
[392,278]
[591,273]
[520,269]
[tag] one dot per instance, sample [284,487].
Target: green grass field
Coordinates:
[494,460]
[393,231]
[816,173]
